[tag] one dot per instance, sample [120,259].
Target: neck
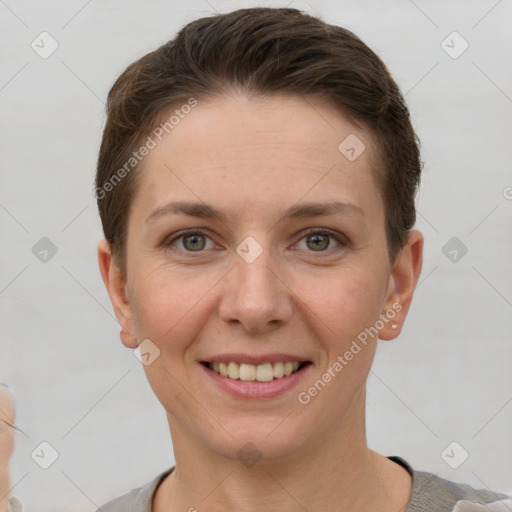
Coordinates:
[331,469]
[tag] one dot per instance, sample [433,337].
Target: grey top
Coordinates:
[430,493]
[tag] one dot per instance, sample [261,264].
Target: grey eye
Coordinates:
[194,242]
[319,241]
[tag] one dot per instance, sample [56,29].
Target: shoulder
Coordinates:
[137,500]
[433,492]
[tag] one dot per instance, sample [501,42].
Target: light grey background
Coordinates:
[447,378]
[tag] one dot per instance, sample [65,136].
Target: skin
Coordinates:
[7,419]
[253,158]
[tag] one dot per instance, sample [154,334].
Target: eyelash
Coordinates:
[342,241]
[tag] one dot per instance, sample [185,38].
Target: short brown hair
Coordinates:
[262,51]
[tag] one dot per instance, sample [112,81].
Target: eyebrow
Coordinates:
[299,211]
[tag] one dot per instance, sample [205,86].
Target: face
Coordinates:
[276,254]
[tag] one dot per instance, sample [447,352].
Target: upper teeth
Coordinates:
[261,372]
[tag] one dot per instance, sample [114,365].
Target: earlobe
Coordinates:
[128,339]
[115,283]
[402,283]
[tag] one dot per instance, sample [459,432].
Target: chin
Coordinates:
[262,441]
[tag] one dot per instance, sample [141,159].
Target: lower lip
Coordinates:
[253,389]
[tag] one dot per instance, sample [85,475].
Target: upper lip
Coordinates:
[253,359]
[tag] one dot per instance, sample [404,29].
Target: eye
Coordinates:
[191,241]
[319,240]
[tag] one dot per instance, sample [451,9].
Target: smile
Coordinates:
[247,372]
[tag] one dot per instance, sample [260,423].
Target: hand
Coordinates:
[7,430]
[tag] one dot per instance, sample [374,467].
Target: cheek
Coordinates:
[342,309]
[169,307]
[347,301]
[170,313]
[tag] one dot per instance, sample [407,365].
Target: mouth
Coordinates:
[266,372]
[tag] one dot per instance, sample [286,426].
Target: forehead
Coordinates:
[259,151]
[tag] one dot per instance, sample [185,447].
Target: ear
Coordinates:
[402,282]
[116,287]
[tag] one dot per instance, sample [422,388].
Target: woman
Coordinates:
[256,185]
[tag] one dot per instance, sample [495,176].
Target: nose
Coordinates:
[256,296]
